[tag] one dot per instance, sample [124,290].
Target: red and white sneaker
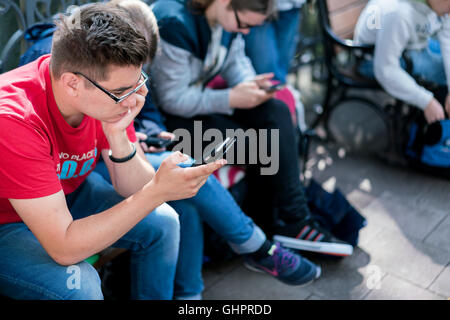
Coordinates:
[308,235]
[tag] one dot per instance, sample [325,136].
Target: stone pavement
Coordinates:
[403,253]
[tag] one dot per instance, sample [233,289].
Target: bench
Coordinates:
[349,93]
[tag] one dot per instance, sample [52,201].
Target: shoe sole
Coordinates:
[318,274]
[329,248]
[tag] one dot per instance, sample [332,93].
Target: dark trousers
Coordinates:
[282,193]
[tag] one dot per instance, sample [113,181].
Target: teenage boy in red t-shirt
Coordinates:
[57,116]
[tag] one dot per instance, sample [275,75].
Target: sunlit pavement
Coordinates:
[403,253]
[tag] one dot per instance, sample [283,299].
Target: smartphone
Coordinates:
[158,142]
[218,152]
[275,87]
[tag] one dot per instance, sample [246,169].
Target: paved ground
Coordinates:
[404,252]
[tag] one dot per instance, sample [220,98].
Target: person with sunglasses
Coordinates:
[58,115]
[200,40]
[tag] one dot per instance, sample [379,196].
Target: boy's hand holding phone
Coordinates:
[175,183]
[218,152]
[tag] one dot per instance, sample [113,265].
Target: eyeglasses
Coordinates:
[143,79]
[239,23]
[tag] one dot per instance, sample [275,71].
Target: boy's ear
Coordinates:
[71,83]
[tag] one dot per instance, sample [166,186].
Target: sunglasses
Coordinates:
[143,79]
[239,23]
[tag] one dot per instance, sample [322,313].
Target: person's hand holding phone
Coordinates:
[176,183]
[275,87]
[248,95]
[264,80]
[154,147]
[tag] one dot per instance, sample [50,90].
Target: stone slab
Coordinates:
[442,284]
[395,253]
[242,284]
[394,288]
[398,214]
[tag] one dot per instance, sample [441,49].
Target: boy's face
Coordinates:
[441,7]
[122,80]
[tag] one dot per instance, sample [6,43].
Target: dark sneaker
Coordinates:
[286,266]
[308,235]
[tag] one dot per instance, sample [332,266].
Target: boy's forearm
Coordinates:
[130,176]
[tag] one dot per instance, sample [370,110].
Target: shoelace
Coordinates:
[283,258]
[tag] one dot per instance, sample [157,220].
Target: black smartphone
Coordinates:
[275,87]
[158,142]
[218,152]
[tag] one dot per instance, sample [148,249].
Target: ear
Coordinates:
[71,83]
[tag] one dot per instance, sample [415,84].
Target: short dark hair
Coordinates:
[145,20]
[95,37]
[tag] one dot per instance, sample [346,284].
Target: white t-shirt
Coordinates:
[284,5]
[396,25]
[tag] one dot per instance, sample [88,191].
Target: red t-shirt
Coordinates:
[40,153]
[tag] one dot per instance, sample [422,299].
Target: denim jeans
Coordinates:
[215,206]
[278,40]
[28,272]
[427,64]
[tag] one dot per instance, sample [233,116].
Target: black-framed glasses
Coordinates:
[239,23]
[143,79]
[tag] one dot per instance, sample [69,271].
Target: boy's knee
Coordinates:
[162,225]
[168,219]
[83,282]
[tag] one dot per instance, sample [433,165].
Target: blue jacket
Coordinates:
[149,121]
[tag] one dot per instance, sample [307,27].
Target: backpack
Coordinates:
[428,147]
[335,212]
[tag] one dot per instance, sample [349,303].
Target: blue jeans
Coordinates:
[214,205]
[28,272]
[277,40]
[427,64]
